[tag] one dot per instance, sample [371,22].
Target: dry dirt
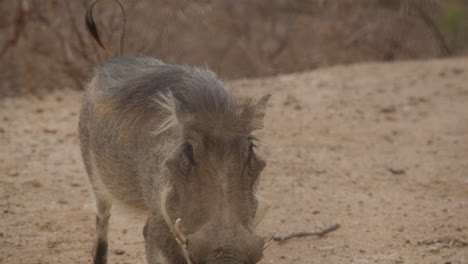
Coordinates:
[381,149]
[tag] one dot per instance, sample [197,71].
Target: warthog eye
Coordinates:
[251,159]
[186,160]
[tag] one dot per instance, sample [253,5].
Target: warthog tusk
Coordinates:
[268,240]
[262,210]
[164,209]
[181,238]
[175,229]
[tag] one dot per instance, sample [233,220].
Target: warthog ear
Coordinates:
[261,106]
[257,112]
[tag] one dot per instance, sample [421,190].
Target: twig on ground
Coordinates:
[459,240]
[444,241]
[430,241]
[319,233]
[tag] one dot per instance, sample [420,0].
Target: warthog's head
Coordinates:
[210,205]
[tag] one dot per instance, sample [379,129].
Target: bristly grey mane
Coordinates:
[151,85]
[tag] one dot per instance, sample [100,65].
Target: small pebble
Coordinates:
[397,171]
[49,131]
[36,183]
[119,252]
[13,173]
[388,109]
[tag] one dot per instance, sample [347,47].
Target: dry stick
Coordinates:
[319,233]
[459,240]
[19,25]
[427,19]
[79,36]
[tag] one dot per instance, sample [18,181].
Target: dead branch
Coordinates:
[363,32]
[319,233]
[19,26]
[78,34]
[444,241]
[460,240]
[431,24]
[284,41]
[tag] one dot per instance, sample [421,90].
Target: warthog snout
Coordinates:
[220,244]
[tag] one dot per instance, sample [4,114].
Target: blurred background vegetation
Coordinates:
[44,44]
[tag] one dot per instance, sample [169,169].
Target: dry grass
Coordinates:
[46,47]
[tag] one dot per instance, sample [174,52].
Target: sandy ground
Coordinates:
[381,149]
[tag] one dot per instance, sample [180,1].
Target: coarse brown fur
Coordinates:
[174,142]
[212,186]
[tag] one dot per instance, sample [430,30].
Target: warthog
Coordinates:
[174,142]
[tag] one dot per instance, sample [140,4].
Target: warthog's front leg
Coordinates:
[153,254]
[102,227]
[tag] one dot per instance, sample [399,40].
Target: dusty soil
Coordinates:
[380,149]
